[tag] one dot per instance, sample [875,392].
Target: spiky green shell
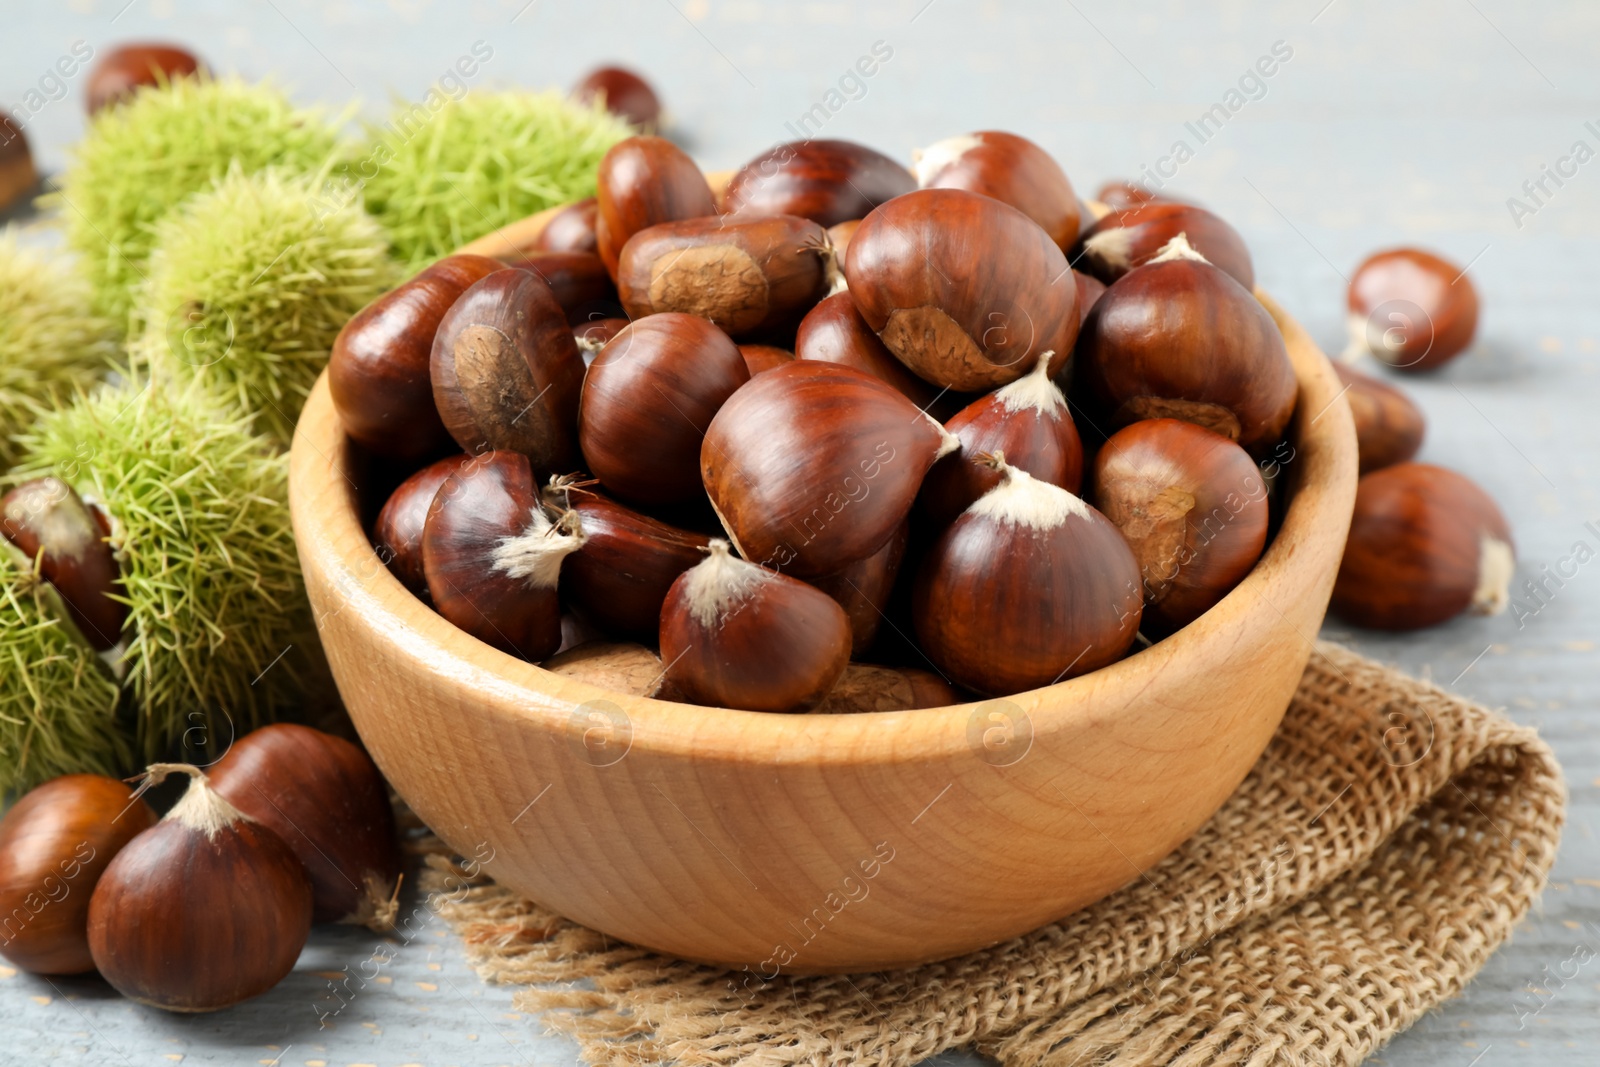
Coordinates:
[58,701]
[249,283]
[439,173]
[51,346]
[144,157]
[200,523]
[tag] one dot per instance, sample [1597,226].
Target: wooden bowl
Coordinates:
[811,843]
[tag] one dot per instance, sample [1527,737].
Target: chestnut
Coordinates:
[642,182]
[758,358]
[397,535]
[839,235]
[1090,290]
[746,274]
[963,289]
[123,70]
[493,557]
[825,181]
[1119,194]
[620,576]
[1011,169]
[650,395]
[18,178]
[813,466]
[55,842]
[624,94]
[571,229]
[1192,506]
[1425,545]
[378,369]
[1180,338]
[868,687]
[835,332]
[506,370]
[578,280]
[325,798]
[1411,309]
[1389,426]
[736,635]
[50,524]
[201,911]
[1028,421]
[1029,586]
[1126,239]
[863,588]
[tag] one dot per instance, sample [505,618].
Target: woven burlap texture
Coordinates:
[1383,846]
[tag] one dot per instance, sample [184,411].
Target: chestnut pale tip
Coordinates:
[948,442]
[926,163]
[719,584]
[535,555]
[1034,391]
[1178,248]
[1022,500]
[1497,563]
[201,808]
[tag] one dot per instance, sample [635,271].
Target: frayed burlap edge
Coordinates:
[1384,845]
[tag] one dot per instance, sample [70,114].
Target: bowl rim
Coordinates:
[1321,483]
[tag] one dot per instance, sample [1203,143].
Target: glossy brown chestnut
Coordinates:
[736,635]
[493,557]
[1028,587]
[325,798]
[578,280]
[571,229]
[863,589]
[1411,309]
[1179,338]
[1425,545]
[643,182]
[825,181]
[624,94]
[18,177]
[1029,422]
[506,371]
[54,844]
[1009,168]
[121,71]
[1126,239]
[868,687]
[650,395]
[963,289]
[1389,427]
[205,909]
[50,524]
[835,332]
[397,535]
[1192,506]
[758,358]
[628,561]
[747,274]
[378,369]
[813,466]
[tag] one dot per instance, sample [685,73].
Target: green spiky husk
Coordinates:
[145,156]
[50,345]
[58,702]
[250,282]
[200,522]
[441,173]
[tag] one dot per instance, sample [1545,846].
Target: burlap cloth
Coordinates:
[1382,848]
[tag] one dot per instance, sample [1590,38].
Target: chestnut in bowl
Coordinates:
[469,735]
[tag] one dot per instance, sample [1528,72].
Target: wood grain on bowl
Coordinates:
[794,844]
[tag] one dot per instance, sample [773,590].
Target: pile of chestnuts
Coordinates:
[211,904]
[841,435]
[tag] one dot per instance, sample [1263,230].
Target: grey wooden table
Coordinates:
[1382,123]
